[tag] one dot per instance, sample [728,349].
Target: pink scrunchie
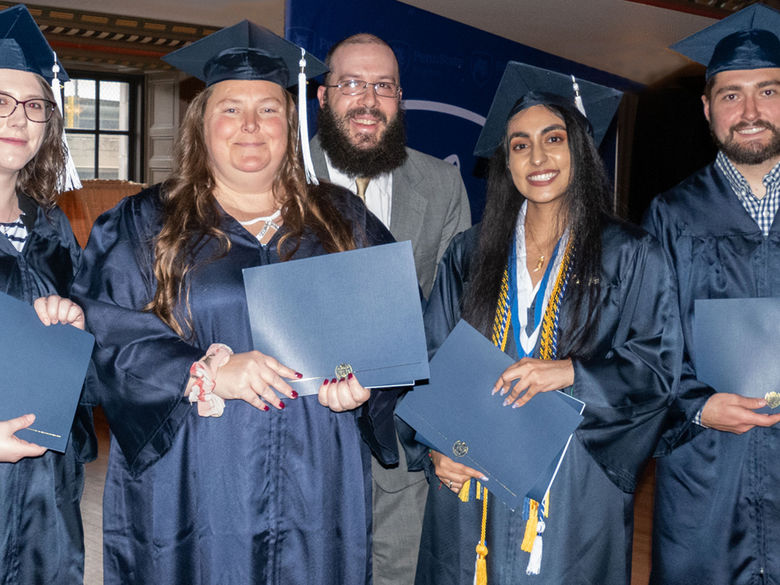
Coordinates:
[205,373]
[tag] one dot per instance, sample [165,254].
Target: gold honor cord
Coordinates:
[548,346]
[503,314]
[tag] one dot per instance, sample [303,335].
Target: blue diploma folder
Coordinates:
[736,344]
[518,449]
[360,307]
[44,369]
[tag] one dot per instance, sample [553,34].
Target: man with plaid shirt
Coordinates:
[717,508]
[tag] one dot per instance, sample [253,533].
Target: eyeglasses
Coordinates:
[358,87]
[36,109]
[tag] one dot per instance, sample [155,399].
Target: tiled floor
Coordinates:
[92,514]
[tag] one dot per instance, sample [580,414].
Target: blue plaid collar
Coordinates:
[738,183]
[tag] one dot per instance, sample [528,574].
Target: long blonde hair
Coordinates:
[191,214]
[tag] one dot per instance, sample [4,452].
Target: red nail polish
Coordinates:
[326,382]
[298,375]
[333,381]
[281,405]
[265,407]
[350,376]
[294,394]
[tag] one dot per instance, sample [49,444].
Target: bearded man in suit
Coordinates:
[361,145]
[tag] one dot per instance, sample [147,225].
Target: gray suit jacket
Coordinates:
[429,207]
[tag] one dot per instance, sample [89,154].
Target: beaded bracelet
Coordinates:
[204,372]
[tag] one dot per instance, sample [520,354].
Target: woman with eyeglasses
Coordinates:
[41,536]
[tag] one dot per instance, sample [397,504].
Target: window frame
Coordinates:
[134,133]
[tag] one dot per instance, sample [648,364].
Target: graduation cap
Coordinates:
[246,51]
[24,48]
[745,40]
[523,86]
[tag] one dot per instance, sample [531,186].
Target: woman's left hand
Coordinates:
[12,448]
[534,376]
[55,309]
[344,394]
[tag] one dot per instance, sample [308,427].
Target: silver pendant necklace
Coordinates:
[269,223]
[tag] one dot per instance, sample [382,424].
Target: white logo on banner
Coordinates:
[442,108]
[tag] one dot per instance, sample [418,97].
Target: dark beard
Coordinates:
[749,155]
[388,154]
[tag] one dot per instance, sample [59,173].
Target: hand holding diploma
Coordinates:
[741,366]
[255,378]
[12,448]
[55,309]
[533,376]
[50,310]
[452,474]
[258,379]
[344,394]
[733,413]
[518,449]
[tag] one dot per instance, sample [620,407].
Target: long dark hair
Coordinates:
[191,214]
[586,204]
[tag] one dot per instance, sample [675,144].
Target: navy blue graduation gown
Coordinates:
[717,509]
[251,497]
[41,536]
[626,385]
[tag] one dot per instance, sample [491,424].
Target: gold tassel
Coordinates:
[530,527]
[463,494]
[480,577]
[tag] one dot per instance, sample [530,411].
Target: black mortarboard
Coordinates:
[745,40]
[23,46]
[244,51]
[523,86]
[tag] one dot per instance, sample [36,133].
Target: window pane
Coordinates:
[80,104]
[114,105]
[82,149]
[113,157]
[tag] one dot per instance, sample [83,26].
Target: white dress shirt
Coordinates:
[379,193]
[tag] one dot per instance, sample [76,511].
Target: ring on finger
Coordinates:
[449,485]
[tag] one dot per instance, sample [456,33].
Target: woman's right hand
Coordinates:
[12,448]
[451,474]
[56,309]
[255,378]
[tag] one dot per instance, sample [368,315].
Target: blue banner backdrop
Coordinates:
[449,72]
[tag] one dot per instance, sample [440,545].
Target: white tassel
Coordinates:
[303,122]
[535,561]
[578,97]
[70,180]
